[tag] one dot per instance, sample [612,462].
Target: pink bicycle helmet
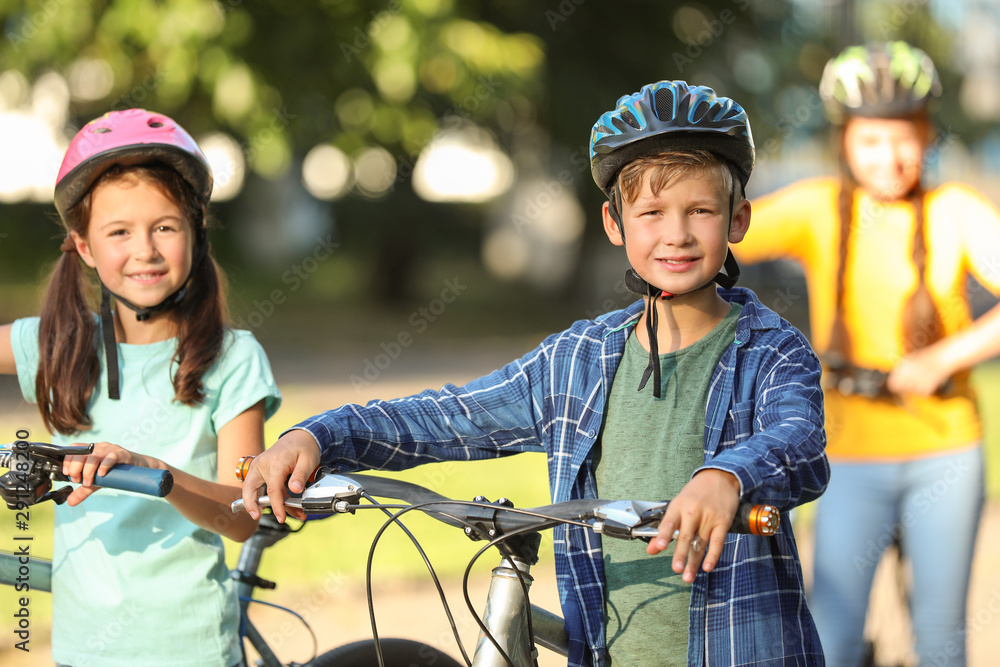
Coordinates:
[131,136]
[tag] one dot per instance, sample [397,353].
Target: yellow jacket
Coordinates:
[962,230]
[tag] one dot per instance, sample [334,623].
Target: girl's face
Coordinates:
[885,155]
[138,240]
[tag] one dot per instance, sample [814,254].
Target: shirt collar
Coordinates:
[754,315]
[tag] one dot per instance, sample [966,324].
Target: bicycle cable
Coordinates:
[394,518]
[547,522]
[290,611]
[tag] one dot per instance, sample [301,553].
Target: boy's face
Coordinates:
[677,238]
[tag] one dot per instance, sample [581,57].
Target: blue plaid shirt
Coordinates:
[763,423]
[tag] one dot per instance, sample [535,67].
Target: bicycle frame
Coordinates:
[268,533]
[506,618]
[37,572]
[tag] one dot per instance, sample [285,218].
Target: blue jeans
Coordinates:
[933,505]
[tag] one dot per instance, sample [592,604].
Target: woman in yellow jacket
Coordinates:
[886,263]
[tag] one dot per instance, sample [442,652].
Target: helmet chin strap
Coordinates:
[636,284]
[141,314]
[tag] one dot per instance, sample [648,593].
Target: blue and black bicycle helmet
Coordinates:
[669,116]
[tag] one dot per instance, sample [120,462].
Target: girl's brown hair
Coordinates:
[922,324]
[68,337]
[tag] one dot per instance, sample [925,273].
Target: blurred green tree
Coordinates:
[284,76]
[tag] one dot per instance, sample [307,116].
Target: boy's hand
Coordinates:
[699,517]
[87,469]
[293,458]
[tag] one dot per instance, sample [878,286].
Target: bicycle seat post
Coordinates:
[507,609]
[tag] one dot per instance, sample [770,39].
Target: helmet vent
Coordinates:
[102,130]
[701,111]
[664,100]
[620,124]
[630,119]
[155,123]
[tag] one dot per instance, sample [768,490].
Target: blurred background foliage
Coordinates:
[378,85]
[363,90]
[419,168]
[403,186]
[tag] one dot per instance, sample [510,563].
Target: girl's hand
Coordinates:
[701,515]
[86,469]
[920,373]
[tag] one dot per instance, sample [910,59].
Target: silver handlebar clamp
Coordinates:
[628,519]
[329,492]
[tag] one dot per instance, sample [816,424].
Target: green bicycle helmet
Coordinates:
[881,80]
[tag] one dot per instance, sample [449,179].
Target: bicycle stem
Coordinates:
[510,618]
[506,618]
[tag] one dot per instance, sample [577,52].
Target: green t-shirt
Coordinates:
[133,581]
[648,450]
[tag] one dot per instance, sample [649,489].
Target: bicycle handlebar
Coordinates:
[35,465]
[334,493]
[137,479]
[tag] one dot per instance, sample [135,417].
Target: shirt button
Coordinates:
[592,433]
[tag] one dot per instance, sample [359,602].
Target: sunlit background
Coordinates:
[429,139]
[475,109]
[419,168]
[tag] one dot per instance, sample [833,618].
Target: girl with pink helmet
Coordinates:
[155,379]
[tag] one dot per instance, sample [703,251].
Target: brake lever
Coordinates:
[39,464]
[330,493]
[629,519]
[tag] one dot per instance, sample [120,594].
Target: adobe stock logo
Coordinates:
[293,277]
[419,320]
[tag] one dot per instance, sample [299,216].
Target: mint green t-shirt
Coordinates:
[649,448]
[133,581]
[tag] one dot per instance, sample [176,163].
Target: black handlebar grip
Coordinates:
[756,520]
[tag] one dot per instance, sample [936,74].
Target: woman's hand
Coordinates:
[88,469]
[920,373]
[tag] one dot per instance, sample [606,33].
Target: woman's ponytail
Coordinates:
[838,349]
